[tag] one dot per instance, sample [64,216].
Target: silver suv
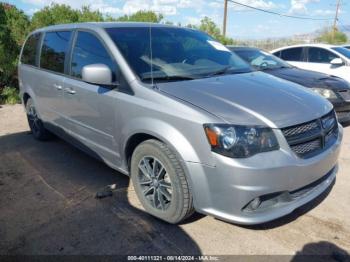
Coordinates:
[192,124]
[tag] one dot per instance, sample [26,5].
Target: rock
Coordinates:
[104,193]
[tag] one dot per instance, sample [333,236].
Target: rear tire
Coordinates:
[160,182]
[36,125]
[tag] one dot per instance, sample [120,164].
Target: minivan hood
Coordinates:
[309,78]
[251,99]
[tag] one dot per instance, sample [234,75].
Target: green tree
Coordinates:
[207,25]
[13,29]
[87,15]
[18,23]
[142,16]
[54,14]
[336,38]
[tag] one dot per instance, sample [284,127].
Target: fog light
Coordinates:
[255,203]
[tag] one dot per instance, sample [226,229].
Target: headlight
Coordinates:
[326,93]
[240,141]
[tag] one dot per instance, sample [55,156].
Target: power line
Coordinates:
[279,14]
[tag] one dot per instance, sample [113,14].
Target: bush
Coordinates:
[13,30]
[9,95]
[336,38]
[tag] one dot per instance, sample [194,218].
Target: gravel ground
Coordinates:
[47,206]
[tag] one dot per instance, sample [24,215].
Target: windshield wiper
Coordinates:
[168,78]
[221,71]
[273,68]
[267,68]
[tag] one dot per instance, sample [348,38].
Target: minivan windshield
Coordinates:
[261,60]
[176,54]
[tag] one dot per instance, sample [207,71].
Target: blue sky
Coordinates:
[242,23]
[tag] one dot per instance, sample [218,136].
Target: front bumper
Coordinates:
[225,190]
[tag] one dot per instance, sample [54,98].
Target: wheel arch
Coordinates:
[143,129]
[25,98]
[132,142]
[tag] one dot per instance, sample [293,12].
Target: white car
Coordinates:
[328,59]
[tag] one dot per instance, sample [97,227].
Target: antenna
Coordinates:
[151,52]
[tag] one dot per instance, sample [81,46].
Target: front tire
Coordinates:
[36,125]
[160,182]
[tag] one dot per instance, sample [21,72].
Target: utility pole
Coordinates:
[225,19]
[335,20]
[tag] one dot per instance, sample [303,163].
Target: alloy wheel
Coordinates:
[155,182]
[33,119]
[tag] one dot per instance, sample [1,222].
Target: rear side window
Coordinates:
[30,50]
[54,50]
[320,55]
[88,50]
[277,54]
[292,54]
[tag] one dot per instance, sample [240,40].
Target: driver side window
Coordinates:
[88,50]
[320,55]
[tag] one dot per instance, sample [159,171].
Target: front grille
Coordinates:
[311,138]
[305,129]
[307,147]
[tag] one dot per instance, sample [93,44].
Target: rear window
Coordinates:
[292,54]
[30,50]
[54,50]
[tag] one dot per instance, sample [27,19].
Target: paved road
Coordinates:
[47,206]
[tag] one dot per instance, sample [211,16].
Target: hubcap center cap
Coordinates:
[155,182]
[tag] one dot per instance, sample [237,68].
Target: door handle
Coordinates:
[70,91]
[58,87]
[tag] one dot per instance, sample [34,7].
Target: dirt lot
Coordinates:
[47,206]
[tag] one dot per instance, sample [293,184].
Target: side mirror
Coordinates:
[98,74]
[337,62]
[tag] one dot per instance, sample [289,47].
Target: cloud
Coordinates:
[31,11]
[198,4]
[324,12]
[192,20]
[261,28]
[327,12]
[166,7]
[300,6]
[254,3]
[100,5]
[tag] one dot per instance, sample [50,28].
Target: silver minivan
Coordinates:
[193,125]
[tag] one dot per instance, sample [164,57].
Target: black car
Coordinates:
[335,89]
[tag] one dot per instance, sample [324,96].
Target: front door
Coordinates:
[319,59]
[89,109]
